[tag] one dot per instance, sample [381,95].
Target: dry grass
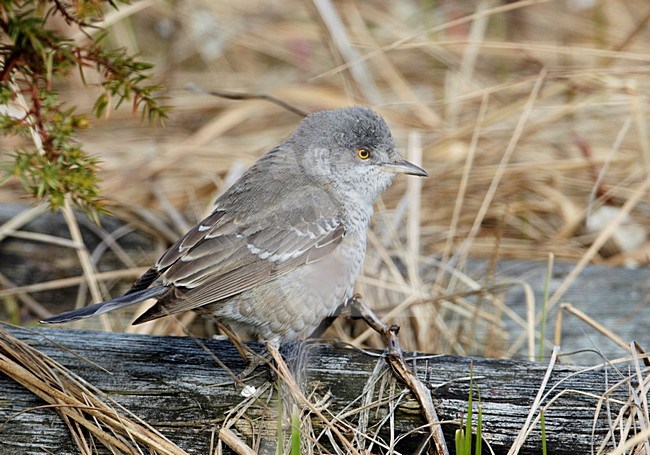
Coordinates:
[529,117]
[89,414]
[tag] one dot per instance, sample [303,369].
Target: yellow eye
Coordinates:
[363,154]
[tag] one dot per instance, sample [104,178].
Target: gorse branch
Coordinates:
[31,56]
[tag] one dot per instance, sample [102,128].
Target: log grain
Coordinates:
[176,386]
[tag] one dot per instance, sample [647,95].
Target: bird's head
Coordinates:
[351,150]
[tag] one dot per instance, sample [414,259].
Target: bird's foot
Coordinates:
[252,358]
[253,361]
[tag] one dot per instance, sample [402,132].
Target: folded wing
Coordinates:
[227,254]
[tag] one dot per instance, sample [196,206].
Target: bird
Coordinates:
[284,245]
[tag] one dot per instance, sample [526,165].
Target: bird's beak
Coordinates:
[405,167]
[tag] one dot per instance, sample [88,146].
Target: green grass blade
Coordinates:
[468,422]
[459,441]
[479,428]
[295,431]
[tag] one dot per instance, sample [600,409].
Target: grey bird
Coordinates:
[284,245]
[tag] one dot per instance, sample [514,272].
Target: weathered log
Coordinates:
[26,259]
[172,383]
[615,297]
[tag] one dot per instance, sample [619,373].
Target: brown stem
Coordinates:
[403,373]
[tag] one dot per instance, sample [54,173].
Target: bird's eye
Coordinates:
[363,154]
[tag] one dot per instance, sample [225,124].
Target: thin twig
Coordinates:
[31,303]
[395,359]
[247,96]
[234,442]
[73,281]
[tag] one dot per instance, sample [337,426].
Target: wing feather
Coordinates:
[228,253]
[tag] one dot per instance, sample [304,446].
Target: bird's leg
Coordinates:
[239,344]
[252,359]
[361,310]
[342,310]
[346,309]
[325,324]
[402,371]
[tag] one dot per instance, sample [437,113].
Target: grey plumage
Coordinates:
[285,244]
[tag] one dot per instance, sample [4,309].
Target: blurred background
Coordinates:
[531,118]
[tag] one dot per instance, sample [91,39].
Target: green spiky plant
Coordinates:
[463,436]
[32,57]
[295,431]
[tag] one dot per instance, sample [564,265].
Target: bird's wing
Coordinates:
[232,251]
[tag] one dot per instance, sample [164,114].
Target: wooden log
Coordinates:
[613,296]
[173,384]
[27,259]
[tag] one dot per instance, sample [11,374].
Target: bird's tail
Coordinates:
[109,305]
